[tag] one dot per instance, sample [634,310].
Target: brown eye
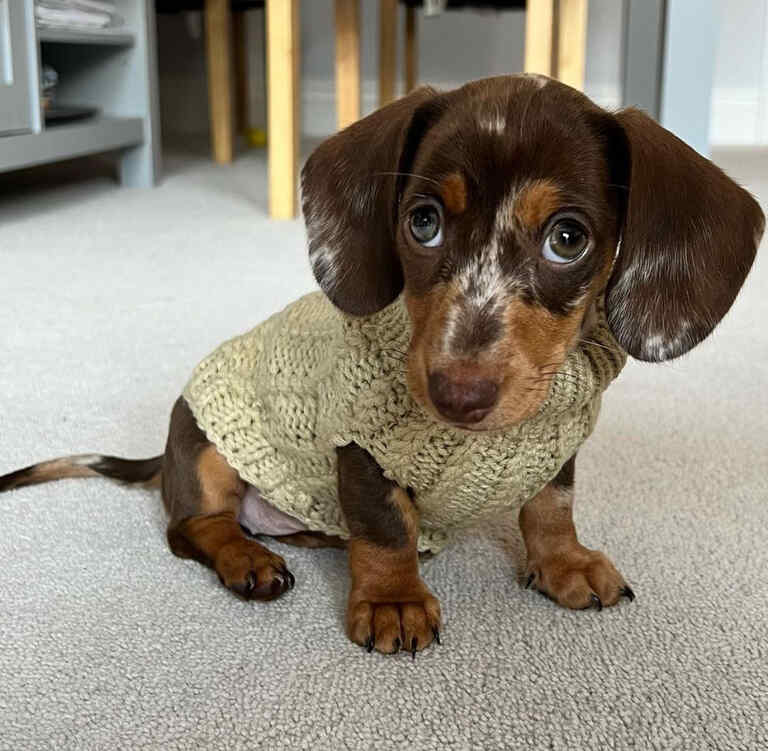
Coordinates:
[425,225]
[566,242]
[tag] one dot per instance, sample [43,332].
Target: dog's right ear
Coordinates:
[350,186]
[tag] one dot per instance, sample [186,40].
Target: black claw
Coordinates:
[369,644]
[414,644]
[251,582]
[626,591]
[396,645]
[436,633]
[529,580]
[596,601]
[290,578]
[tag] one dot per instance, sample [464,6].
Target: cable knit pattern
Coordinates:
[278,400]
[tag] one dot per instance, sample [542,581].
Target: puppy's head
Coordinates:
[505,210]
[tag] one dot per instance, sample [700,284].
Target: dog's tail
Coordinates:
[147,471]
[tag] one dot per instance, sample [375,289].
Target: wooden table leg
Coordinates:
[283,47]
[411,50]
[218,36]
[540,50]
[347,62]
[572,42]
[240,35]
[387,50]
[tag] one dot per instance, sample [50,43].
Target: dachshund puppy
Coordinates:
[513,221]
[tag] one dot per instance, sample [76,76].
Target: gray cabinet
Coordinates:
[111,70]
[19,111]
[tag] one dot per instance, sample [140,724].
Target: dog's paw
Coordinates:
[252,571]
[389,627]
[578,578]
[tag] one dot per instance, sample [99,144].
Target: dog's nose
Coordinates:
[465,399]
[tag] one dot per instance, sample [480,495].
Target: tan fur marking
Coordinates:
[536,202]
[220,486]
[541,335]
[429,316]
[210,533]
[59,469]
[454,192]
[398,497]
[546,522]
[382,574]
[389,605]
[560,566]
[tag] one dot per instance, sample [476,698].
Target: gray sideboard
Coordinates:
[113,70]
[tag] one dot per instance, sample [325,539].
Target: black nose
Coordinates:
[462,399]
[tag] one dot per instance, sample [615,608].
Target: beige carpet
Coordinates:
[108,299]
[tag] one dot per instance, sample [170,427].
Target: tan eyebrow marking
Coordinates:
[536,202]
[454,192]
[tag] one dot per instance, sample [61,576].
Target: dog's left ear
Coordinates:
[350,187]
[689,239]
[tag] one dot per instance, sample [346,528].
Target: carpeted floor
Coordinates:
[109,297]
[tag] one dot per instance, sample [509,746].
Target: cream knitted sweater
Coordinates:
[278,400]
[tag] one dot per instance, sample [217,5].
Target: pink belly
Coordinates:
[260,517]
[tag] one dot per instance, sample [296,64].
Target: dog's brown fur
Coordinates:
[202,495]
[501,162]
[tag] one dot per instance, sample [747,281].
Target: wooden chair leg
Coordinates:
[241,71]
[572,42]
[283,46]
[218,35]
[411,50]
[387,50]
[347,62]
[540,49]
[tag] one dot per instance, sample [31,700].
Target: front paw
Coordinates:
[578,578]
[411,624]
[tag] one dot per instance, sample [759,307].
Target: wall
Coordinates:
[456,47]
[740,94]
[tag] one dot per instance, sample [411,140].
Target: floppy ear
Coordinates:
[689,238]
[349,199]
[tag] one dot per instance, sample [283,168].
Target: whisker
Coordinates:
[407,174]
[568,377]
[597,344]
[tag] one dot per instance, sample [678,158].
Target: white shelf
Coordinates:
[116,37]
[65,141]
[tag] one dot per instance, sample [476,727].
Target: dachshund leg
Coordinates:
[389,606]
[202,495]
[559,566]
